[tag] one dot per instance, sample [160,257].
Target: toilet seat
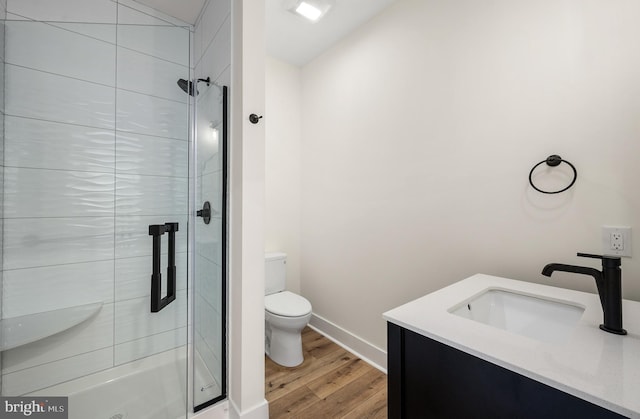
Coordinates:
[287,304]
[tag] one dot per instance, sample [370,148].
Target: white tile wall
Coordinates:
[54,241]
[130,16]
[208,336]
[208,283]
[151,115]
[212,56]
[79,195]
[210,320]
[196,45]
[2,93]
[225,77]
[215,14]
[146,74]
[134,319]
[3,15]
[56,193]
[130,12]
[149,345]
[133,275]
[207,239]
[148,155]
[45,375]
[33,143]
[59,51]
[91,335]
[11,16]
[212,191]
[36,290]
[151,195]
[209,148]
[210,358]
[132,234]
[209,128]
[102,32]
[210,65]
[93,11]
[35,94]
[2,36]
[163,42]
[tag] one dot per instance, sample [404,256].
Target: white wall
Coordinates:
[282,164]
[419,132]
[246,241]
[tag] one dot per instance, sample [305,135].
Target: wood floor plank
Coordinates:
[348,398]
[333,381]
[275,371]
[314,345]
[272,369]
[319,346]
[279,385]
[330,383]
[373,408]
[290,404]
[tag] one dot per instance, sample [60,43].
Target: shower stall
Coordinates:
[113,267]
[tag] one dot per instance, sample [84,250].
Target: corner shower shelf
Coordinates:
[18,331]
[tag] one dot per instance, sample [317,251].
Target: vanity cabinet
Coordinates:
[428,379]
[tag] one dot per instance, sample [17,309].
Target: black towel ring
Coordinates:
[553,161]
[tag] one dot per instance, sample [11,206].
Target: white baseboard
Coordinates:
[364,350]
[227,409]
[260,411]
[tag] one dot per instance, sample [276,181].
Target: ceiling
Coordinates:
[297,41]
[291,38]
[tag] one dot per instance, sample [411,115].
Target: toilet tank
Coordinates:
[275,272]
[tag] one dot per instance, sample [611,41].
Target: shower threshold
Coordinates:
[149,388]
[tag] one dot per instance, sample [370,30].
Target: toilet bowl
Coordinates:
[286,314]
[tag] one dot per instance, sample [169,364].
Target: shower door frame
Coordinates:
[224,251]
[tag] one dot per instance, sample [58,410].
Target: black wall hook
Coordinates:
[254,119]
[553,161]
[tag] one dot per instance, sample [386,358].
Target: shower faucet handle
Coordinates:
[205,212]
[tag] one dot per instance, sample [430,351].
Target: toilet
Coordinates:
[286,314]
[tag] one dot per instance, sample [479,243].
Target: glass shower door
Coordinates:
[210,250]
[95,154]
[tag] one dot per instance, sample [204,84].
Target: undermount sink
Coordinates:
[538,318]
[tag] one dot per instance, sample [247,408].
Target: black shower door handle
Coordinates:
[157,301]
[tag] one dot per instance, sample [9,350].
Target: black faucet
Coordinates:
[609,283]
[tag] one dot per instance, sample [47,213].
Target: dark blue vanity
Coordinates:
[428,379]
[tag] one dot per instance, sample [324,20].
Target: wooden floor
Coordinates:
[330,383]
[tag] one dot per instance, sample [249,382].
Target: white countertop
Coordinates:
[600,367]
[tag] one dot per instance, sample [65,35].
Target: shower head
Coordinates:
[189,87]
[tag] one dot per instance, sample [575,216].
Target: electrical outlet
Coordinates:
[616,241]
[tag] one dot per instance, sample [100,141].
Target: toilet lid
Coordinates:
[287,304]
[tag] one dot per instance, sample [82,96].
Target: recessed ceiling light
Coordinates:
[309,11]
[312,10]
